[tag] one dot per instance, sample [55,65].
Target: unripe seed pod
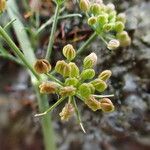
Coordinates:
[48,87]
[121,17]
[87,74]
[122,35]
[92,88]
[59,66]
[124,39]
[84,5]
[92,103]
[62,68]
[106,105]
[42,66]
[102,19]
[112,17]
[105,75]
[113,44]
[69,52]
[119,26]
[74,70]
[71,81]
[67,91]
[2,5]
[108,27]
[96,8]
[85,90]
[92,21]
[90,61]
[99,85]
[126,42]
[110,7]
[67,112]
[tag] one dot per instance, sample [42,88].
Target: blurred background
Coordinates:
[127,128]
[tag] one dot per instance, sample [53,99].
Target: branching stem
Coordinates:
[103,96]
[51,108]
[78,115]
[17,51]
[91,38]
[52,35]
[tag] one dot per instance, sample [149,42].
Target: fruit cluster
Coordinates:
[105,21]
[76,83]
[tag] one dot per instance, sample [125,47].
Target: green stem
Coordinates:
[102,38]
[103,96]
[20,31]
[51,108]
[53,78]
[51,39]
[25,44]
[17,51]
[82,48]
[78,115]
[37,18]
[12,58]
[9,24]
[48,133]
[4,53]
[50,21]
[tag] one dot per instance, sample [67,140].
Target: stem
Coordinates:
[82,48]
[51,39]
[54,79]
[37,18]
[103,96]
[20,31]
[12,58]
[78,115]
[51,108]
[102,38]
[17,51]
[48,133]
[9,24]
[46,123]
[7,55]
[50,21]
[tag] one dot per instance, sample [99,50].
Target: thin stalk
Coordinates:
[82,48]
[78,115]
[69,16]
[50,21]
[4,53]
[20,31]
[12,58]
[102,38]
[51,39]
[17,51]
[103,96]
[51,108]
[47,128]
[53,78]
[9,24]
[37,18]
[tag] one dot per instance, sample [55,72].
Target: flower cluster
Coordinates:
[105,21]
[77,83]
